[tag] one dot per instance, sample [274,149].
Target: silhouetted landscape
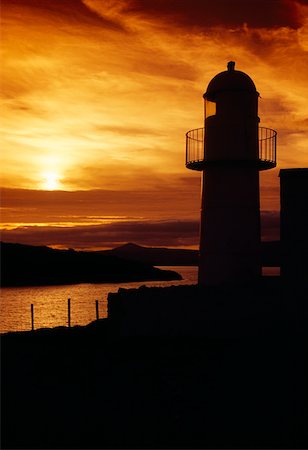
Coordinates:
[184,257]
[156,256]
[178,367]
[152,128]
[26,265]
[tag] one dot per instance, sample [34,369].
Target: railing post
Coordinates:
[96,307]
[32,317]
[69,312]
[186,149]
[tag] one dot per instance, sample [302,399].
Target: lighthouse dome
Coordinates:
[229,80]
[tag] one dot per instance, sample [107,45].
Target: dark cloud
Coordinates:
[149,233]
[230,13]
[68,11]
[199,13]
[23,205]
[128,131]
[169,233]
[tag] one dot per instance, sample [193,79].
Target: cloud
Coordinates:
[67,95]
[270,189]
[208,13]
[128,131]
[157,233]
[101,93]
[35,206]
[270,225]
[169,233]
[68,11]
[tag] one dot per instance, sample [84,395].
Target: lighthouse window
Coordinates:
[209,108]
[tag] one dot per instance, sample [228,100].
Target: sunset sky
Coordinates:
[97,96]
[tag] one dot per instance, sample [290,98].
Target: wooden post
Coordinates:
[32,317]
[69,312]
[96,307]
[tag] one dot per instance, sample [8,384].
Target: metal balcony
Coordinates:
[196,151]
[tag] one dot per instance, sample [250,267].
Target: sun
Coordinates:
[50,181]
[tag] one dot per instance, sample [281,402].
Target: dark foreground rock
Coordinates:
[233,377]
[27,265]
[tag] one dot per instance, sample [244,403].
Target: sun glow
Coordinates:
[50,181]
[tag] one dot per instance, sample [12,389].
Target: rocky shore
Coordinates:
[179,367]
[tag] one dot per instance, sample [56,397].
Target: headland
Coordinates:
[177,367]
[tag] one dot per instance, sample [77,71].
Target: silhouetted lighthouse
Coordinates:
[230,150]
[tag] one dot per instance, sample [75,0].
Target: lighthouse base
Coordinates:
[229,269]
[230,244]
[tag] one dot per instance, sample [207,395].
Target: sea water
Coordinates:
[50,303]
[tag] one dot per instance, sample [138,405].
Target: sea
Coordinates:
[50,303]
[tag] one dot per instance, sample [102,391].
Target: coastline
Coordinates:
[231,378]
[27,265]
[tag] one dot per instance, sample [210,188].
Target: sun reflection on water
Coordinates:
[50,302]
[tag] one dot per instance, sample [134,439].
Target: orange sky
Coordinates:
[97,96]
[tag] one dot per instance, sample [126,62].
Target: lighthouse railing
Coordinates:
[196,152]
[267,144]
[195,145]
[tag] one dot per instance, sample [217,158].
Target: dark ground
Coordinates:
[234,377]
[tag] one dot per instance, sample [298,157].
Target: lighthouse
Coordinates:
[230,151]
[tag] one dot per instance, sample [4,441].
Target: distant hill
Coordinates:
[25,265]
[156,256]
[179,257]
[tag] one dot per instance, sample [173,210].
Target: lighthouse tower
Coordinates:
[230,150]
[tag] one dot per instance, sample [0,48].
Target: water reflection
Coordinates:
[50,302]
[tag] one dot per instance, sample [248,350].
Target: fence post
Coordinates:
[69,312]
[96,307]
[32,317]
